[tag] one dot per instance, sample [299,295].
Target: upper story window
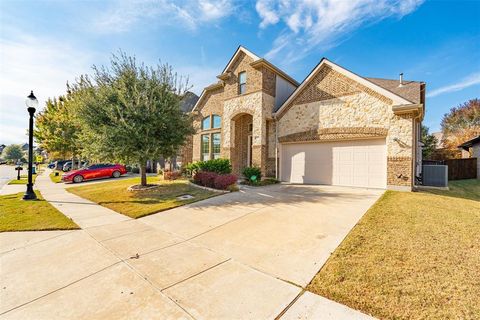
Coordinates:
[212,122]
[242,82]
[216,122]
[206,123]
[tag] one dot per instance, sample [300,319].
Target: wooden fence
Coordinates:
[458,168]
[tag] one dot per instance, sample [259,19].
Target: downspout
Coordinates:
[276,146]
[417,130]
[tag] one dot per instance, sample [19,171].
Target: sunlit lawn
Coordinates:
[136,204]
[414,255]
[20,215]
[56,178]
[23,179]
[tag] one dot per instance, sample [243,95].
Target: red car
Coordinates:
[95,171]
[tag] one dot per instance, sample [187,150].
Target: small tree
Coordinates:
[429,143]
[462,123]
[131,112]
[13,152]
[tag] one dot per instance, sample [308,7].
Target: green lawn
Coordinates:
[412,256]
[54,178]
[20,215]
[136,204]
[23,179]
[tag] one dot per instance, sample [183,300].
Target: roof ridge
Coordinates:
[376,78]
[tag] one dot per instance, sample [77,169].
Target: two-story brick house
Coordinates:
[334,128]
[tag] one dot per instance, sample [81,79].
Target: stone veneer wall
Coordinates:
[332,101]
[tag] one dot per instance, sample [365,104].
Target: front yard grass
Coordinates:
[54,178]
[136,204]
[20,215]
[412,256]
[23,179]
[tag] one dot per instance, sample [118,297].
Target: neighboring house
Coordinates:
[473,148]
[439,136]
[335,128]
[186,105]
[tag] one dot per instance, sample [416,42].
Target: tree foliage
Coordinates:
[462,123]
[12,152]
[58,128]
[131,113]
[429,143]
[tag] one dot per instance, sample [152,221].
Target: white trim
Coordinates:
[397,100]
[244,50]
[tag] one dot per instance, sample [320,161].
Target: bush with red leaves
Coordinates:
[171,175]
[205,178]
[223,181]
[214,180]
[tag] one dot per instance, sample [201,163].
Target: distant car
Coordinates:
[59,164]
[95,171]
[68,165]
[51,165]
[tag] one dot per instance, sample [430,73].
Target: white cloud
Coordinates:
[124,14]
[321,24]
[466,82]
[38,64]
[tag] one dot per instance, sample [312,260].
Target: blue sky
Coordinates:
[45,43]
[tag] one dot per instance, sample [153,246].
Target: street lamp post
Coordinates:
[31,103]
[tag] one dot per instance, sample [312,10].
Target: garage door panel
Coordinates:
[359,163]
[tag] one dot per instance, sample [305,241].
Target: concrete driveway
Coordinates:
[244,255]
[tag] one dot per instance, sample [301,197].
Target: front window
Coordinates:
[206,123]
[216,145]
[205,147]
[242,82]
[217,121]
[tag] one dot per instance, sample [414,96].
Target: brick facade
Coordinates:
[330,107]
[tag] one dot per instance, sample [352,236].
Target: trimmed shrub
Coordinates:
[224,181]
[220,166]
[171,175]
[192,168]
[252,174]
[135,170]
[206,179]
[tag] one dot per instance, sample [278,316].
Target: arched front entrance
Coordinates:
[241,153]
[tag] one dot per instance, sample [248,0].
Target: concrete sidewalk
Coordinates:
[243,255]
[85,213]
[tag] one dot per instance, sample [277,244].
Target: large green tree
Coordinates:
[58,127]
[13,152]
[131,112]
[462,123]
[429,143]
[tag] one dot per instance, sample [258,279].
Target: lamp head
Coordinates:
[31,102]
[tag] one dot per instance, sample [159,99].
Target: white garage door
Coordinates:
[359,163]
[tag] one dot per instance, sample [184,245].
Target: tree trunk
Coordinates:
[143,174]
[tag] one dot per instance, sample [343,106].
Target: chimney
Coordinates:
[401,80]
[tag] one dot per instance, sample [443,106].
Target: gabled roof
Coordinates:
[396,98]
[188,101]
[410,90]
[237,52]
[468,144]
[257,61]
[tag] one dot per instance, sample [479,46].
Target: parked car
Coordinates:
[51,165]
[59,164]
[95,171]
[68,165]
